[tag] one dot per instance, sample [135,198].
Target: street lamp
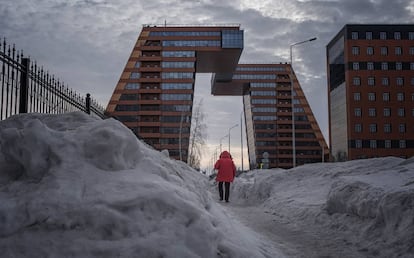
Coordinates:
[292,99]
[241,139]
[229,135]
[221,140]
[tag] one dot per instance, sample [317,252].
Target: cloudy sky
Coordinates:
[86,43]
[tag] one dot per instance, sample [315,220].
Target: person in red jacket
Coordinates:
[226,173]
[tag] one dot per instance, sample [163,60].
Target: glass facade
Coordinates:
[178,53]
[184,33]
[191,43]
[232,38]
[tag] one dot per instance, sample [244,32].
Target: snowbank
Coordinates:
[368,205]
[75,186]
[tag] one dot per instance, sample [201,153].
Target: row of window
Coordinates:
[398,51]
[264,109]
[177,64]
[185,33]
[397,35]
[372,96]
[164,86]
[373,128]
[254,76]
[265,118]
[261,68]
[177,75]
[372,112]
[191,43]
[385,81]
[176,96]
[382,144]
[381,66]
[178,53]
[263,85]
[264,101]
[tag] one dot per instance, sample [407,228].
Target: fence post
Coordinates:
[24,85]
[88,103]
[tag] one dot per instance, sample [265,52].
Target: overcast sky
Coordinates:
[86,43]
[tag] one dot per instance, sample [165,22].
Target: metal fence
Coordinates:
[27,87]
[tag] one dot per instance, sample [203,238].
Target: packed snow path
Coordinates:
[293,241]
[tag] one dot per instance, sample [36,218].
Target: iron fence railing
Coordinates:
[26,87]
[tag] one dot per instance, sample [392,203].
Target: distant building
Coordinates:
[371,91]
[154,95]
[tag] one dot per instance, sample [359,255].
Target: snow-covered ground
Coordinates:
[76,186]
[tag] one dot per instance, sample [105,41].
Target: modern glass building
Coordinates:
[154,95]
[371,91]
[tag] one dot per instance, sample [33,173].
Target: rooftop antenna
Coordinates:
[165,23]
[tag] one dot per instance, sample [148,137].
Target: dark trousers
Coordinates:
[227,192]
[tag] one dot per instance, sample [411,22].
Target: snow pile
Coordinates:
[364,206]
[75,186]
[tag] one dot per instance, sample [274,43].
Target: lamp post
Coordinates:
[229,134]
[241,139]
[292,99]
[221,140]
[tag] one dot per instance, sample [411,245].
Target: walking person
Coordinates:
[226,173]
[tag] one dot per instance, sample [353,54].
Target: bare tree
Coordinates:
[198,136]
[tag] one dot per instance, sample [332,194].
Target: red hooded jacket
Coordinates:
[226,168]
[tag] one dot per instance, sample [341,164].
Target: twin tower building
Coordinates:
[154,95]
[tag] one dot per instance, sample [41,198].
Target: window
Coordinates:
[358,144]
[412,66]
[387,112]
[370,66]
[401,112]
[371,96]
[398,66]
[372,128]
[368,35]
[402,144]
[370,51]
[412,112]
[371,81]
[354,35]
[372,112]
[176,86]
[176,96]
[177,75]
[400,96]
[383,35]
[384,66]
[356,81]
[387,128]
[355,66]
[412,51]
[358,128]
[135,75]
[400,81]
[411,35]
[191,43]
[402,128]
[384,51]
[412,81]
[137,64]
[398,51]
[387,144]
[263,93]
[178,53]
[177,64]
[232,38]
[357,112]
[385,81]
[357,96]
[397,35]
[386,96]
[355,51]
[132,86]
[373,144]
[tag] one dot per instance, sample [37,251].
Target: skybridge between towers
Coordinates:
[154,95]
